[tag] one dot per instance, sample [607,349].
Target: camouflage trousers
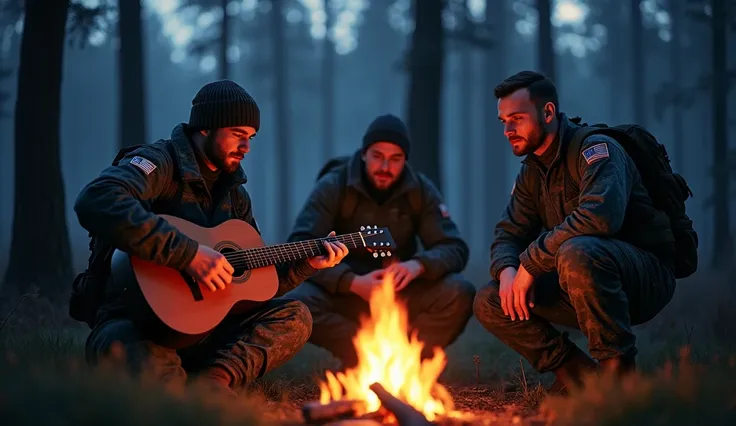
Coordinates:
[246,346]
[601,287]
[438,311]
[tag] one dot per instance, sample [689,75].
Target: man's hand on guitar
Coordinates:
[336,251]
[210,268]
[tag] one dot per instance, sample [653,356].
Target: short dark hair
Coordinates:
[541,89]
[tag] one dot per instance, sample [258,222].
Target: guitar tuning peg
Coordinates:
[383,254]
[375,254]
[362,228]
[388,253]
[375,226]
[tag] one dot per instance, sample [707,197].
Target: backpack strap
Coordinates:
[348,197]
[573,151]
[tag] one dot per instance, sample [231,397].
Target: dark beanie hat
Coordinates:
[388,128]
[222,104]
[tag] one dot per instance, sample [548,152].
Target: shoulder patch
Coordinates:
[444,211]
[144,164]
[596,152]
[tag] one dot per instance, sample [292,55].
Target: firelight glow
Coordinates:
[387,355]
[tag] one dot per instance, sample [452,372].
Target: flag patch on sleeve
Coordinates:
[143,164]
[595,153]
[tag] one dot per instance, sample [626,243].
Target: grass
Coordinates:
[43,379]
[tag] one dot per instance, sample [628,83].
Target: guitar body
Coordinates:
[187,310]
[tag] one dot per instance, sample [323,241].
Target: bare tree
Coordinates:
[224,44]
[282,127]
[637,62]
[545,43]
[676,70]
[40,253]
[132,83]
[722,241]
[426,67]
[328,82]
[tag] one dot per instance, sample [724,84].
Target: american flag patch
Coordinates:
[444,211]
[596,152]
[143,164]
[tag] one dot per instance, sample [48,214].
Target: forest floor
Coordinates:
[687,367]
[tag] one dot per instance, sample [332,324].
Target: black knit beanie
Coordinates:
[222,104]
[388,128]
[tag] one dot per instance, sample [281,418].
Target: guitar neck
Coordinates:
[260,257]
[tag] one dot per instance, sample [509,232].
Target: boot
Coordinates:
[572,371]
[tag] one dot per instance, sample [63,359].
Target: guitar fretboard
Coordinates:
[260,257]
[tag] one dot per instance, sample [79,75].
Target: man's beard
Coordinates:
[218,157]
[534,140]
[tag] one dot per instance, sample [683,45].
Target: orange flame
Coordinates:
[387,355]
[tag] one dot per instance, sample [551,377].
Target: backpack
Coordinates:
[349,198]
[88,288]
[669,191]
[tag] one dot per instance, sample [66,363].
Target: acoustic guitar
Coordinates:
[190,308]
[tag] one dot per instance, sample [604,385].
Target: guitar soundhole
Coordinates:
[241,274]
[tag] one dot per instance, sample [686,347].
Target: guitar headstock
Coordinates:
[378,240]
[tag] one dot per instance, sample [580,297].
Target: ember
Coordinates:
[389,356]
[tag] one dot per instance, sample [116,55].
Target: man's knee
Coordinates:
[118,339]
[459,292]
[580,259]
[299,319]
[487,304]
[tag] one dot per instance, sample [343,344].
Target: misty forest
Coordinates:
[81,79]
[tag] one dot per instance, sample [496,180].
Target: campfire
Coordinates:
[389,356]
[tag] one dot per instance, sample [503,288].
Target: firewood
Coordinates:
[355,422]
[405,414]
[317,412]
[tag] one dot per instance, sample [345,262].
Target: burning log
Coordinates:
[316,412]
[405,414]
[349,412]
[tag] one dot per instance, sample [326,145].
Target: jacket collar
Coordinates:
[186,159]
[562,131]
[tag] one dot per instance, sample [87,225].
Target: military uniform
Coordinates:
[600,253]
[439,301]
[121,205]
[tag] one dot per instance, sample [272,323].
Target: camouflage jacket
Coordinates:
[122,203]
[444,250]
[546,208]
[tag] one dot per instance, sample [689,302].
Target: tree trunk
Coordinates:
[223,69]
[467,189]
[637,63]
[677,118]
[426,61]
[614,20]
[722,243]
[132,114]
[328,85]
[545,43]
[40,254]
[495,145]
[282,120]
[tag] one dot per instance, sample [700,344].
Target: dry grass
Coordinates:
[43,381]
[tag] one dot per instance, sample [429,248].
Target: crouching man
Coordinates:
[377,187]
[594,255]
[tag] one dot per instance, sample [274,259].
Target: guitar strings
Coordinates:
[260,256]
